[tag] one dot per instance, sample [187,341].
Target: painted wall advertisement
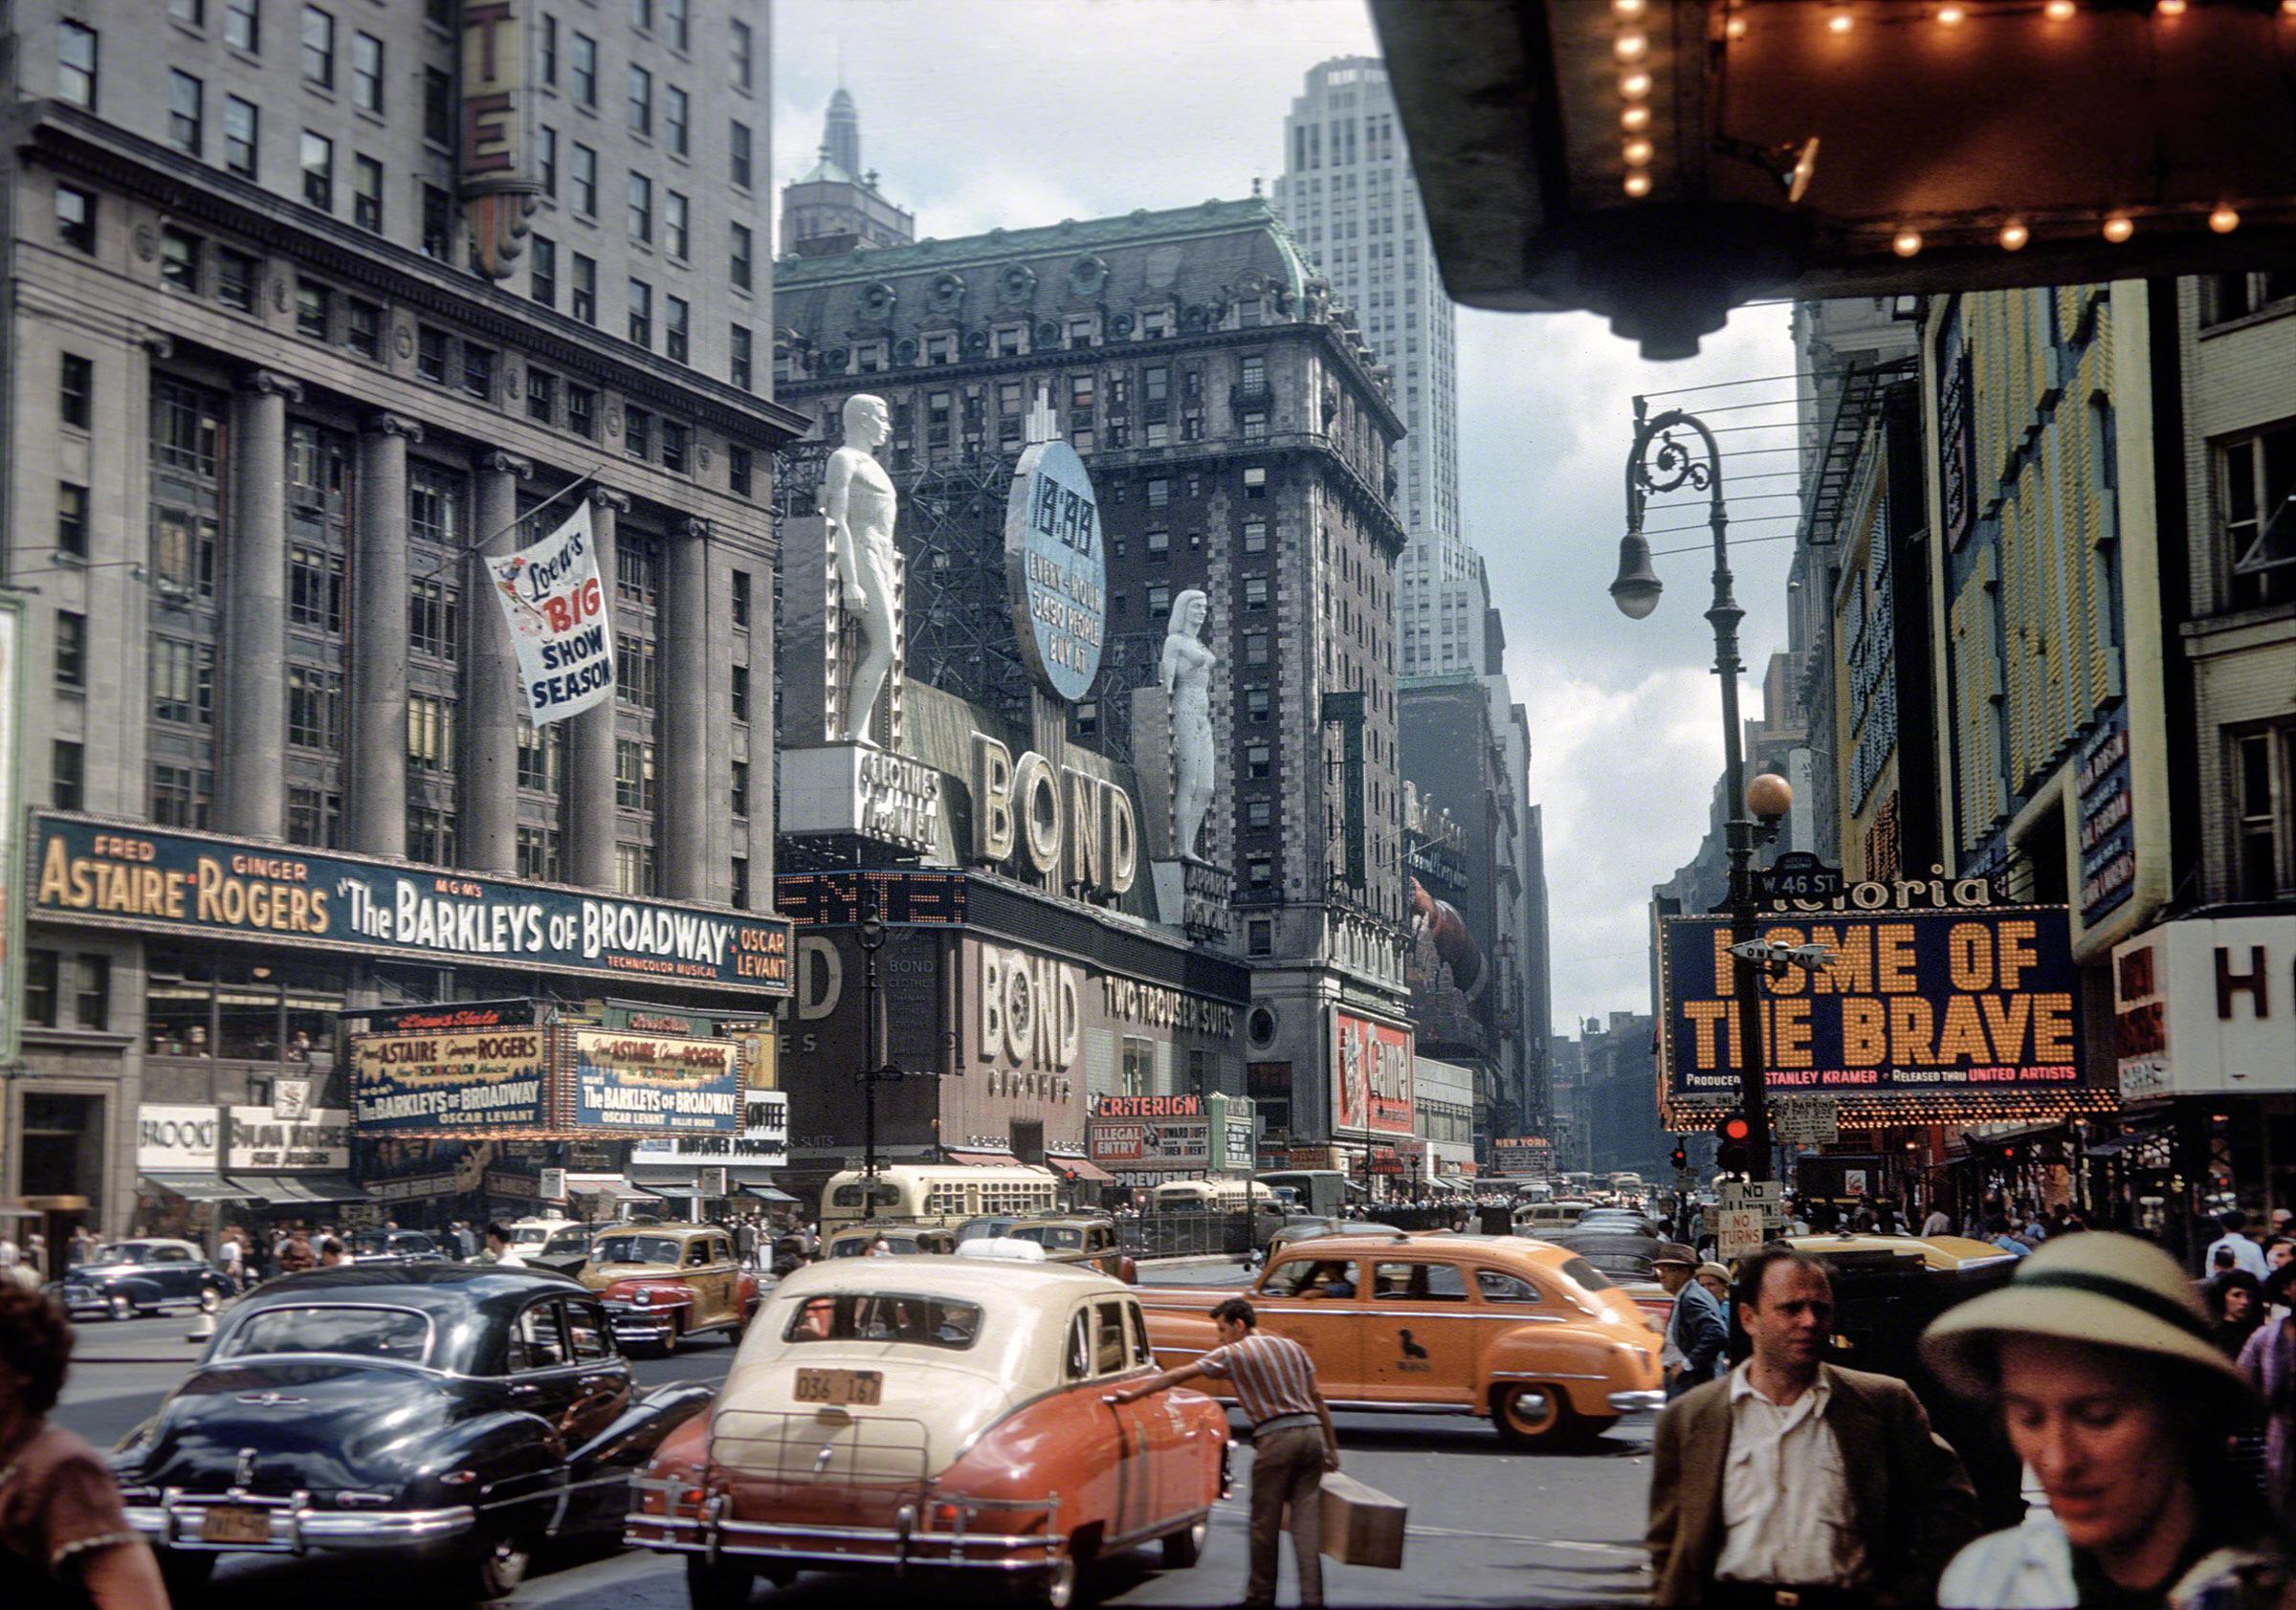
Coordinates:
[123,876]
[175,1139]
[659,1084]
[1526,1157]
[555,607]
[480,1083]
[263,1142]
[1371,1076]
[1917,1003]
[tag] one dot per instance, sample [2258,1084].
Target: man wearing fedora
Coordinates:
[1792,1482]
[1696,1334]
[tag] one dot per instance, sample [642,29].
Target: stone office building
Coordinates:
[1240,438]
[306,301]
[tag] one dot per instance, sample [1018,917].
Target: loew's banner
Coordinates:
[1913,1003]
[486,1082]
[655,1084]
[555,603]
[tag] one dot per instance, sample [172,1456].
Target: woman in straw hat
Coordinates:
[2115,1395]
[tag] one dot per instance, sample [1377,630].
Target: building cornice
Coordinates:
[65,138]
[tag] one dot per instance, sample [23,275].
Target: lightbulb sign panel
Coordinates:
[1916,1007]
[1055,569]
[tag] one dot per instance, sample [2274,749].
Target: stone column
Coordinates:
[487,833]
[590,812]
[380,584]
[686,863]
[254,730]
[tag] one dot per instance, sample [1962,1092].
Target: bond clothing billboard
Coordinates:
[1955,1012]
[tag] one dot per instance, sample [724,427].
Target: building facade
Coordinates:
[836,207]
[1238,435]
[305,310]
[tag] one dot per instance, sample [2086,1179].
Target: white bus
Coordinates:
[1209,1196]
[939,1193]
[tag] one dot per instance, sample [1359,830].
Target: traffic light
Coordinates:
[1679,1156]
[1732,1131]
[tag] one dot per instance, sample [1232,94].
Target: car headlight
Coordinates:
[641,1298]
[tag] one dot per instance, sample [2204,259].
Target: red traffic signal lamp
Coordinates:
[1734,1130]
[1679,1156]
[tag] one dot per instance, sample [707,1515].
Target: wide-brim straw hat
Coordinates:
[1720,1272]
[2094,1288]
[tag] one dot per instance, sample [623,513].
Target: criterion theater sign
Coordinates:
[1954,1012]
[121,876]
[555,607]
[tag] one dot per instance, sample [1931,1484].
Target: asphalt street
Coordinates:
[1487,1526]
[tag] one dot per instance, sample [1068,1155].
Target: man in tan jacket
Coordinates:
[1798,1484]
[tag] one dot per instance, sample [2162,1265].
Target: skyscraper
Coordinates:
[836,207]
[1348,197]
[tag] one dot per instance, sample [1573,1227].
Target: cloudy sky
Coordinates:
[980,113]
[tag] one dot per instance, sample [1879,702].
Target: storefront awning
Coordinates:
[285,1189]
[983,1160]
[193,1187]
[767,1193]
[620,1189]
[1084,1169]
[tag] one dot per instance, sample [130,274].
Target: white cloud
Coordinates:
[980,113]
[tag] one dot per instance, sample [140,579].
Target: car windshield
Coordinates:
[364,1332]
[638,1249]
[123,1252]
[890,1316]
[1055,1238]
[569,1240]
[1585,1274]
[858,1245]
[529,1235]
[982,1229]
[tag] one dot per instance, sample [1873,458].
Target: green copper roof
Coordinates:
[1134,229]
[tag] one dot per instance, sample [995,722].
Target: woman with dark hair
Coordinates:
[2236,1302]
[2115,1393]
[64,1538]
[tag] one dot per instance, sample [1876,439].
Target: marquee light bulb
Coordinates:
[1950,15]
[2058,11]
[1638,184]
[1637,153]
[1630,8]
[2119,228]
[1841,22]
[2170,8]
[1635,85]
[2014,236]
[1735,28]
[1635,118]
[2223,220]
[1630,47]
[1906,243]
[2288,8]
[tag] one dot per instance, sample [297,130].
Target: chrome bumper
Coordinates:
[1638,1403]
[295,1527]
[899,1547]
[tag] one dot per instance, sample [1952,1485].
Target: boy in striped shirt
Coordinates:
[1293,1441]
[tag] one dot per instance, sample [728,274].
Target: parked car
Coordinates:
[1532,1337]
[566,1250]
[935,1415]
[142,1276]
[902,1239]
[1621,1219]
[529,1235]
[446,1415]
[1067,1239]
[394,1246]
[1551,1215]
[1626,1258]
[665,1283]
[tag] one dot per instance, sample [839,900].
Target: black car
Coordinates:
[446,1415]
[394,1246]
[143,1276]
[1620,1252]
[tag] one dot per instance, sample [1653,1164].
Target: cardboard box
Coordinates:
[1361,1525]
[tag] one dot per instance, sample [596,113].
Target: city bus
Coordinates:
[1208,1196]
[939,1194]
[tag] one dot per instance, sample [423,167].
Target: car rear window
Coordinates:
[638,1249]
[1585,1274]
[1056,1239]
[364,1332]
[885,1316]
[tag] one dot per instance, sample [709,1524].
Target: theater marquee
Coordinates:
[1921,1015]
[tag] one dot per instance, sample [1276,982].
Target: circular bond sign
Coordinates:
[1055,568]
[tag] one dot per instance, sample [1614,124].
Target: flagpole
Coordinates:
[466,551]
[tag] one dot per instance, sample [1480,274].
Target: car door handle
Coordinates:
[523,1390]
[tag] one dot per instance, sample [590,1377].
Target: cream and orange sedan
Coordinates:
[1529,1335]
[929,1415]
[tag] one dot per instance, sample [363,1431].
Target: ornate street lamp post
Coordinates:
[1661,463]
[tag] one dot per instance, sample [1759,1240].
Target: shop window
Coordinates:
[1259,938]
[1139,1066]
[40,970]
[2264,790]
[61,1144]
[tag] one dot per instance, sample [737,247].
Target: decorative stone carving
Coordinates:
[606,498]
[396,425]
[269,383]
[1186,674]
[403,341]
[858,501]
[148,242]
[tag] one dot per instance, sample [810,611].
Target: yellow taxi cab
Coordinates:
[1529,1336]
[664,1283]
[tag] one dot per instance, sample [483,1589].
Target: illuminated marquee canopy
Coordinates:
[1921,1016]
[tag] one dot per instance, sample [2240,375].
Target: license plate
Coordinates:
[839,1388]
[235,1524]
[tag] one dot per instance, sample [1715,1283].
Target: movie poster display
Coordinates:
[484,1082]
[628,1083]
